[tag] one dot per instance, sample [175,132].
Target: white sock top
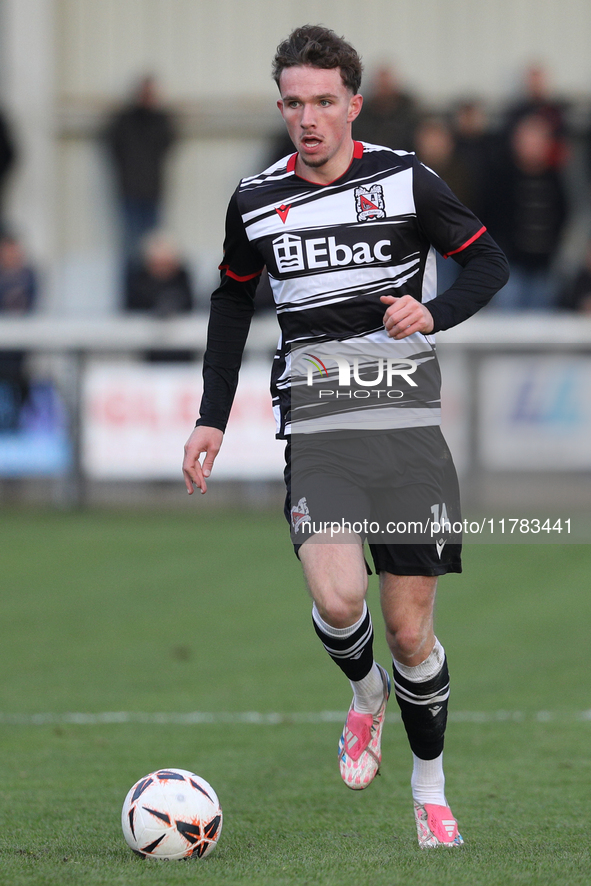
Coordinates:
[426,669]
[341,633]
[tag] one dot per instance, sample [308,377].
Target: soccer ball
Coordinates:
[172,813]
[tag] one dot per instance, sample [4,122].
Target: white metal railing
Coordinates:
[78,338]
[53,334]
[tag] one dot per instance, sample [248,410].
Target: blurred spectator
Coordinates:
[139,138]
[160,284]
[389,115]
[475,148]
[18,289]
[7,158]
[526,212]
[18,286]
[576,295]
[436,148]
[537,99]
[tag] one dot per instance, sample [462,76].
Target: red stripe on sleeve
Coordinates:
[237,276]
[467,243]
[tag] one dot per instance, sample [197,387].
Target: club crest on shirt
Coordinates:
[369,203]
[299,514]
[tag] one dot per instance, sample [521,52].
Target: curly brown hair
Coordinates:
[319,47]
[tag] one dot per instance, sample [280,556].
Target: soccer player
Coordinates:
[348,233]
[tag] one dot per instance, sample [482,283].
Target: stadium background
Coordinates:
[66,65]
[134,636]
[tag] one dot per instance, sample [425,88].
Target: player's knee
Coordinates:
[406,641]
[340,612]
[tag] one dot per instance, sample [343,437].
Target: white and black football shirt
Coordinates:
[331,250]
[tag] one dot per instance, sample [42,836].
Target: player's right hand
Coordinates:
[202,440]
[405,316]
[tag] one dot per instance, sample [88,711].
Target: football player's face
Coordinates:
[318,110]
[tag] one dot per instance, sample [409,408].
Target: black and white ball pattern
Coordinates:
[172,813]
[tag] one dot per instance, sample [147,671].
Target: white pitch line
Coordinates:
[238,718]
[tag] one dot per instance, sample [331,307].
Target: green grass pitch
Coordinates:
[147,614]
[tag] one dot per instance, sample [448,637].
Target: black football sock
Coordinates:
[422,693]
[350,648]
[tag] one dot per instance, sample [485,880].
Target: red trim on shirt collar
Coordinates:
[357,155]
[467,243]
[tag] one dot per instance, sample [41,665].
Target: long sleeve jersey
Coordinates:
[331,250]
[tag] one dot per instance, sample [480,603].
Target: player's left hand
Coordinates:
[405,315]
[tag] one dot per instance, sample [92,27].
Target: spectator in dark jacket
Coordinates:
[389,115]
[18,288]
[526,212]
[576,295]
[7,158]
[475,147]
[139,138]
[537,99]
[160,285]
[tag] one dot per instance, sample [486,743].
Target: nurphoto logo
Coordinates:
[362,372]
